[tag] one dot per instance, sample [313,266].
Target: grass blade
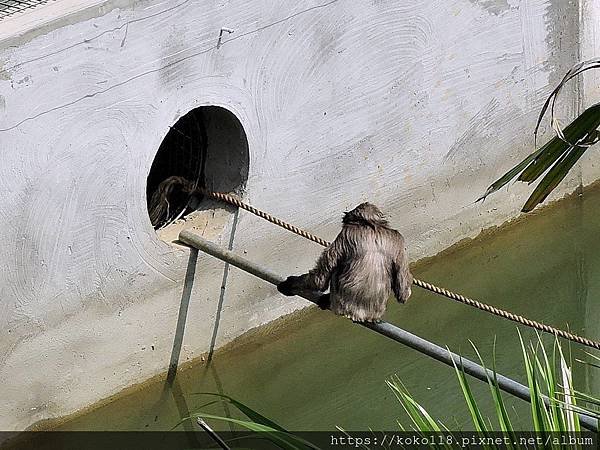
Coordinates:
[554,176]
[474,409]
[247,411]
[283,439]
[581,129]
[419,415]
[572,418]
[550,152]
[536,413]
[508,176]
[503,417]
[421,419]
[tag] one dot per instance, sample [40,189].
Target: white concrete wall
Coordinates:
[416,106]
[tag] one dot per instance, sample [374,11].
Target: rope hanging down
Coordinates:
[422,284]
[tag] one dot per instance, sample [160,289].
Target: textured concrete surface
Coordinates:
[416,106]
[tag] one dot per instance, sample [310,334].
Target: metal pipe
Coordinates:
[215,437]
[384,328]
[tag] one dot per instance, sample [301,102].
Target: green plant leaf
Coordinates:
[554,176]
[508,176]
[577,131]
[572,418]
[548,154]
[421,419]
[418,415]
[285,440]
[474,410]
[536,413]
[562,152]
[586,398]
[247,411]
[577,69]
[501,413]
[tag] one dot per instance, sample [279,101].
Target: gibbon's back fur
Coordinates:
[363,267]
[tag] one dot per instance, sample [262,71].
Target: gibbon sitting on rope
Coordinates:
[363,267]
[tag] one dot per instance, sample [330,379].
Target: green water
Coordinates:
[319,371]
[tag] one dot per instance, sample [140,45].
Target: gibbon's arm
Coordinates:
[401,276]
[318,278]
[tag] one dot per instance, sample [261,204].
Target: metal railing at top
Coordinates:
[10,7]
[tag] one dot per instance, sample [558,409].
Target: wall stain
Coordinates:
[562,37]
[4,74]
[495,7]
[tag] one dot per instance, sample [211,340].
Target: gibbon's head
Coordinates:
[365,214]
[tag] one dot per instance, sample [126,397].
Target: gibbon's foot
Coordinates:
[324,301]
[287,287]
[366,320]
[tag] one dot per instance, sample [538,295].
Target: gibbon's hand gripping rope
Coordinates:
[232,200]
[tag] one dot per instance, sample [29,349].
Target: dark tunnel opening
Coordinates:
[207,148]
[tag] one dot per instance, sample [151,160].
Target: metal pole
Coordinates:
[215,437]
[384,328]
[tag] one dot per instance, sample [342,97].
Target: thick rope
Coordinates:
[422,284]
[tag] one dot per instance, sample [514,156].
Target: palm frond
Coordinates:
[558,156]
[553,410]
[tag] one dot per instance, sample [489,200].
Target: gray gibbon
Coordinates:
[363,267]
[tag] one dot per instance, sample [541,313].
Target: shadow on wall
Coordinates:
[206,148]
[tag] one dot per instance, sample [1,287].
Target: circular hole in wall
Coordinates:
[205,149]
